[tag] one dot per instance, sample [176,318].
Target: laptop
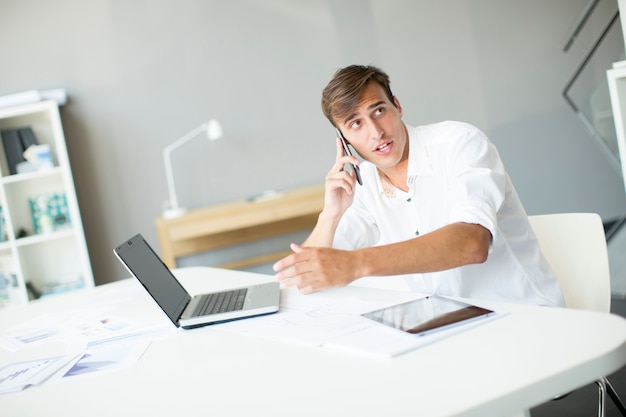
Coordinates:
[188,311]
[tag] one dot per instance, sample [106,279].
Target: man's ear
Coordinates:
[396,103]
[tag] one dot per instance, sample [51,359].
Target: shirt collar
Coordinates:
[419,160]
[419,157]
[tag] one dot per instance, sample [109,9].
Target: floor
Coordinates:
[584,401]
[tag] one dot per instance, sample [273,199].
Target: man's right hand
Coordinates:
[338,196]
[340,184]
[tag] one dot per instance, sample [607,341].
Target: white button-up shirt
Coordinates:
[455,174]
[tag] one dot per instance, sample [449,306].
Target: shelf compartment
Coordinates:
[39,254]
[18,194]
[44,124]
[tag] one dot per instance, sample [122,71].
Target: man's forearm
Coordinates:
[323,233]
[449,247]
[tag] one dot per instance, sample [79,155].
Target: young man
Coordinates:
[436,206]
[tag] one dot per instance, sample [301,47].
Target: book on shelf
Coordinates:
[15,142]
[51,288]
[49,212]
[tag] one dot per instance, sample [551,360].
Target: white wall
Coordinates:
[142,73]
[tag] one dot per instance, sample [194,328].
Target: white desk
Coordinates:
[512,363]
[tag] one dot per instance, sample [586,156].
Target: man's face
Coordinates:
[375,128]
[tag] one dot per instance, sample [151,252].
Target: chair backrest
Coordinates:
[574,245]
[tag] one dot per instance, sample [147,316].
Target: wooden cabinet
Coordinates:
[240,222]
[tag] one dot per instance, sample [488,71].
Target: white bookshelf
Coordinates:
[55,259]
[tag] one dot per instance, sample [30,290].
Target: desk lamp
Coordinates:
[213,131]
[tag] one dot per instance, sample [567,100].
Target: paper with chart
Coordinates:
[18,376]
[93,340]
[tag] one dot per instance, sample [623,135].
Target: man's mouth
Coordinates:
[383,148]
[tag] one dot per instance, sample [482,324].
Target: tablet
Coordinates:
[430,314]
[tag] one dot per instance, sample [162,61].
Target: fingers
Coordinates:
[285,268]
[338,178]
[339,147]
[292,271]
[341,158]
[340,181]
[287,261]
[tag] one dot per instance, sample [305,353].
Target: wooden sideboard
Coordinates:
[238,222]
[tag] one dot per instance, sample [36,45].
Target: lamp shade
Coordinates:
[214,130]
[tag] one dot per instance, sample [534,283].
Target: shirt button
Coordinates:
[408,200]
[417,233]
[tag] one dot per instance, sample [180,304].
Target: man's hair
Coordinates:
[343,92]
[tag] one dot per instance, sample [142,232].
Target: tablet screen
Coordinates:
[428,314]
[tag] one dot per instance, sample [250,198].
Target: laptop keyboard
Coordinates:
[221,302]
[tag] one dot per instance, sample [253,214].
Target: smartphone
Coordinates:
[346,151]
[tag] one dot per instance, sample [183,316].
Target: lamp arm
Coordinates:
[186,138]
[169,176]
[167,159]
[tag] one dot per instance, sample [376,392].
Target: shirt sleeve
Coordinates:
[357,228]
[477,180]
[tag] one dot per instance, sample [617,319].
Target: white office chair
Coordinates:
[574,245]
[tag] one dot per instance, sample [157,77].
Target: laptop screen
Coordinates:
[147,267]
